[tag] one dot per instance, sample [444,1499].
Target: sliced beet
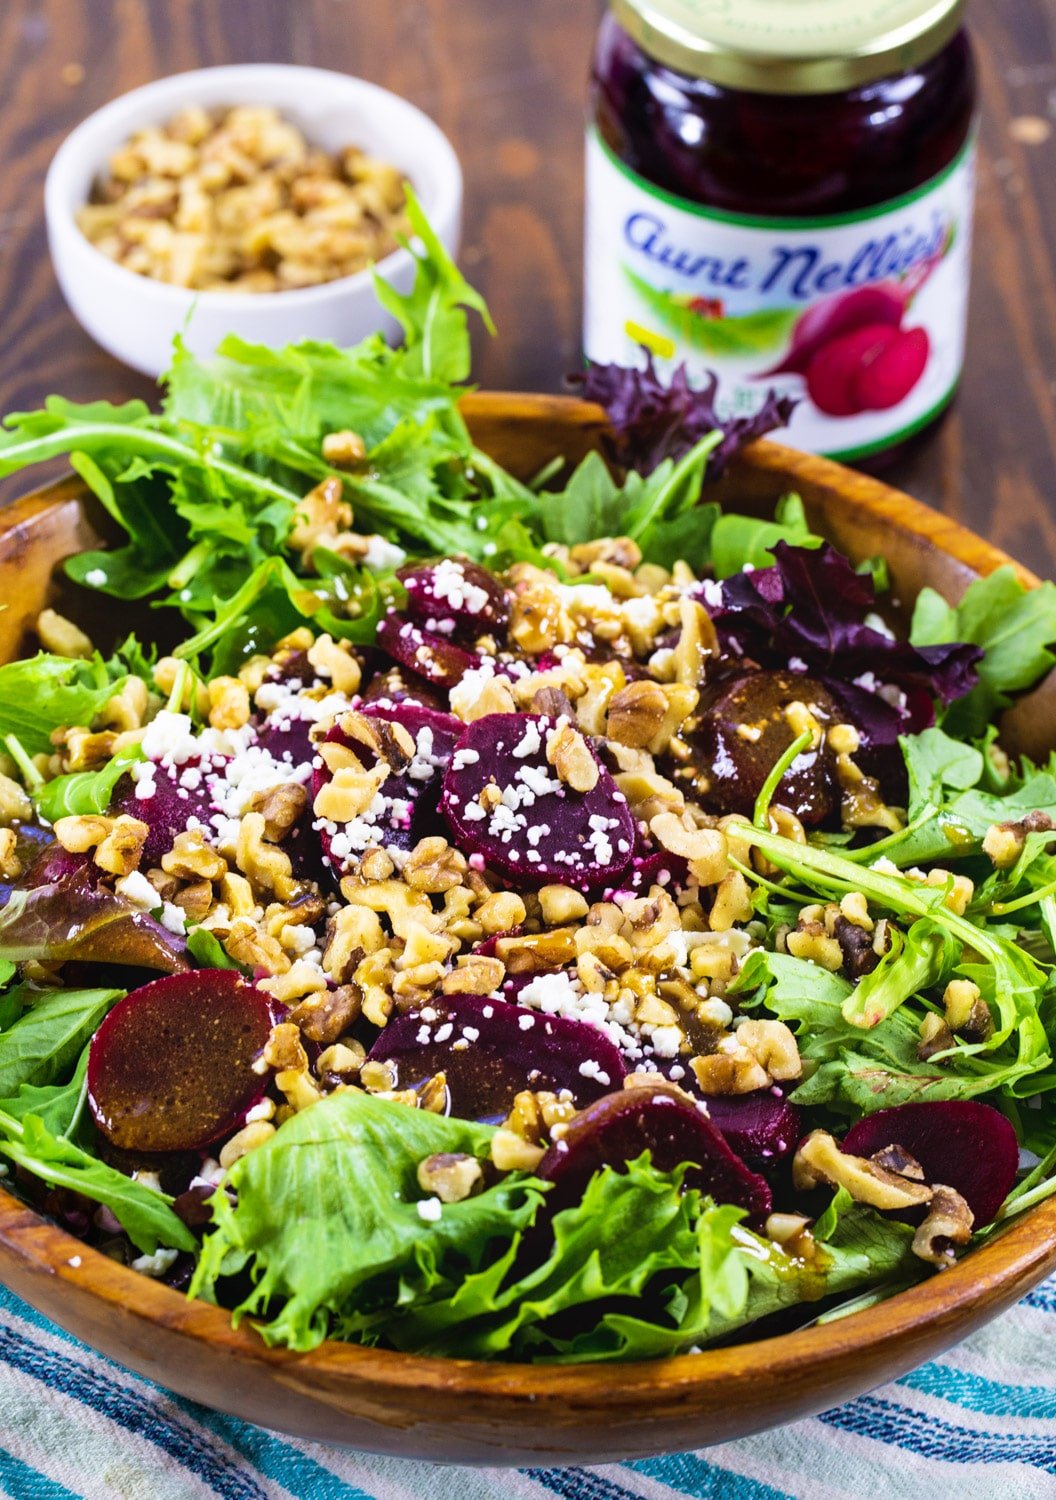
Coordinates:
[619,1127]
[542,830]
[287,739]
[177,795]
[171,1067]
[965,1145]
[670,871]
[434,657]
[396,685]
[456,594]
[510,1048]
[410,808]
[742,732]
[762,1128]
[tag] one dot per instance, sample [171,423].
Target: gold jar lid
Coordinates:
[790,46]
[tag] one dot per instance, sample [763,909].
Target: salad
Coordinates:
[552,921]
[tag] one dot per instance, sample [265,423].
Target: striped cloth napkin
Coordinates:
[978,1425]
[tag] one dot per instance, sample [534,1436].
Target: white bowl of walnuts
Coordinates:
[251,200]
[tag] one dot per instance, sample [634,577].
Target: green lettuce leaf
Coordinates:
[1014,625]
[51,1033]
[44,692]
[145,1216]
[329,1206]
[84,791]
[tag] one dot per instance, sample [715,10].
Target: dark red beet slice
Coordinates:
[961,1143]
[510,1048]
[619,1127]
[179,794]
[733,765]
[455,592]
[396,685]
[670,871]
[171,1067]
[287,739]
[412,794]
[431,656]
[762,1127]
[542,830]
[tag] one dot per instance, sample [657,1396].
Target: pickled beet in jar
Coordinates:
[781,191]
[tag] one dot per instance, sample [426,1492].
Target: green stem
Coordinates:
[1002,908]
[30,775]
[773,780]
[892,840]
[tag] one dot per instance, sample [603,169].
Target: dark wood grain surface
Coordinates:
[507,80]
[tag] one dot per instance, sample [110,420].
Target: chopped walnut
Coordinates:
[511,1153]
[705,848]
[191,858]
[636,713]
[476,974]
[281,807]
[344,449]
[434,866]
[62,636]
[10,864]
[335,661]
[450,1176]
[819,1159]
[569,754]
[948,1224]
[327,1015]
[256,1133]
[229,706]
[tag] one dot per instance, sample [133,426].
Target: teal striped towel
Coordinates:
[979,1424]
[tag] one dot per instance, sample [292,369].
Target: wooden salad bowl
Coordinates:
[489,1413]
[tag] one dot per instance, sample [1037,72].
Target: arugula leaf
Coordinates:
[144,1215]
[84,791]
[42,1044]
[432,313]
[1014,625]
[945,826]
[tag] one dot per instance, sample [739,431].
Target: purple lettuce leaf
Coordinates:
[78,917]
[651,420]
[811,608]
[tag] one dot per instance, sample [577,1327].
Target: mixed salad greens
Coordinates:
[585,928]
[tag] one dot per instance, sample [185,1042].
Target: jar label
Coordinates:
[861,316]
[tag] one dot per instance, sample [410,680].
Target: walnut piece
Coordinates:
[450,1176]
[819,1159]
[569,754]
[948,1223]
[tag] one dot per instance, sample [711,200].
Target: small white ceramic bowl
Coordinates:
[135,318]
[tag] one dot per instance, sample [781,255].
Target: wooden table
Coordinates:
[507,80]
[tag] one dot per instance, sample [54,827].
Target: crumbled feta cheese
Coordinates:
[383,555]
[155,1265]
[430,1210]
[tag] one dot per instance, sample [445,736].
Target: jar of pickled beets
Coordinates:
[780,191]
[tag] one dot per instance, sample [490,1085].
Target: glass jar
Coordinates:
[781,191]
